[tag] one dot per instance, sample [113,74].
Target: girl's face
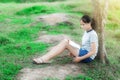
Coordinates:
[85,26]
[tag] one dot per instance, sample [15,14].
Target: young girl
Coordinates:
[88,49]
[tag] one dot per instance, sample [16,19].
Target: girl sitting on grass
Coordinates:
[86,53]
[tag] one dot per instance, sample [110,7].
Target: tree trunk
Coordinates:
[100,16]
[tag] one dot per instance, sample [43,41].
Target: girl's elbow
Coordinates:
[93,51]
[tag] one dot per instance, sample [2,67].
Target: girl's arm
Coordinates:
[93,50]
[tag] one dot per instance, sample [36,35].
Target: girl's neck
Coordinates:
[89,29]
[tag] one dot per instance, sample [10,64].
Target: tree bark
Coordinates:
[100,8]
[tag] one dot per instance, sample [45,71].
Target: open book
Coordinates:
[74,44]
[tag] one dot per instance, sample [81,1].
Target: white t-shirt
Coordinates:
[87,39]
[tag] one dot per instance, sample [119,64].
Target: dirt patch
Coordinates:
[52,38]
[56,71]
[60,67]
[53,19]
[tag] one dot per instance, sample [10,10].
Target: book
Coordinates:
[74,44]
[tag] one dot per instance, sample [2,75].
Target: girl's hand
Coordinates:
[77,59]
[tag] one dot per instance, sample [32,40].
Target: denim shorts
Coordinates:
[83,52]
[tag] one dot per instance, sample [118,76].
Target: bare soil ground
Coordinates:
[53,19]
[51,71]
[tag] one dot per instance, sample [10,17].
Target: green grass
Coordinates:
[16,49]
[101,71]
[5,40]
[23,20]
[16,56]
[36,10]
[18,32]
[70,77]
[9,70]
[59,29]
[78,77]
[18,45]
[23,1]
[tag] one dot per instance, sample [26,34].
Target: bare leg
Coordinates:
[59,49]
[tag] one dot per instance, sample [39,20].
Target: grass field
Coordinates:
[18,35]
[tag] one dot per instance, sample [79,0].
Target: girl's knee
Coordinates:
[66,41]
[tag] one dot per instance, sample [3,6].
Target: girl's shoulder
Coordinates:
[93,33]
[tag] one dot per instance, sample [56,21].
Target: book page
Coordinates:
[74,44]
